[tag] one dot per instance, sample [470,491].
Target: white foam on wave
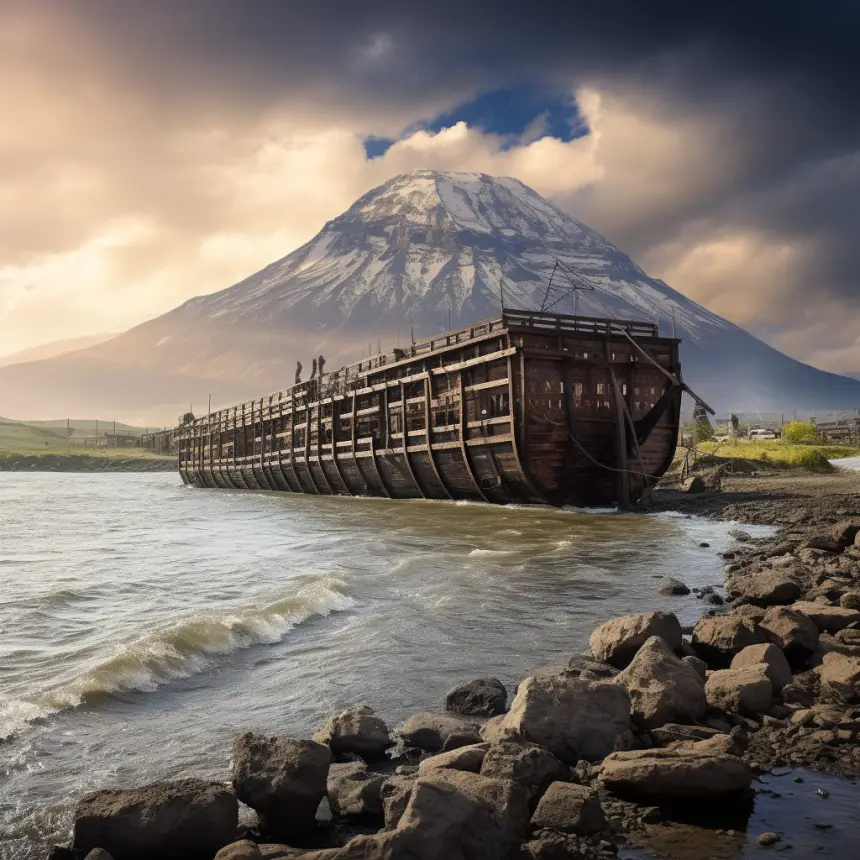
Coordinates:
[491,552]
[183,649]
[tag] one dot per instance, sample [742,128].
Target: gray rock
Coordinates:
[739,535]
[850,600]
[746,690]
[694,485]
[282,779]
[171,820]
[616,641]
[674,732]
[100,854]
[485,697]
[493,729]
[845,532]
[573,718]
[699,665]
[670,586]
[569,808]
[242,850]
[354,791]
[356,730]
[778,669]
[431,732]
[662,687]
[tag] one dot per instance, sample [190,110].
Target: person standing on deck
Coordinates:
[298,372]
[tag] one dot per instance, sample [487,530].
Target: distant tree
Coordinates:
[703,430]
[800,432]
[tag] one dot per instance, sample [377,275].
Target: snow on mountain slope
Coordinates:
[420,249]
[428,243]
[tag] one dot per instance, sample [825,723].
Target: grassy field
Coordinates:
[779,454]
[44,436]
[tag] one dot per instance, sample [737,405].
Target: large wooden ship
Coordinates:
[527,407]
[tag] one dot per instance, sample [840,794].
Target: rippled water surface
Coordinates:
[143,624]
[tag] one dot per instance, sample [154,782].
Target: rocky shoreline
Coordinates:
[655,723]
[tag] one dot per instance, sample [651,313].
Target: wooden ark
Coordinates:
[527,407]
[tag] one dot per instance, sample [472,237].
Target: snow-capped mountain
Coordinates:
[423,249]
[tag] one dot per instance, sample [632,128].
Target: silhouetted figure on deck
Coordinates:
[320,365]
[298,372]
[314,369]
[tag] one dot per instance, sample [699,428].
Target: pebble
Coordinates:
[822,792]
[768,839]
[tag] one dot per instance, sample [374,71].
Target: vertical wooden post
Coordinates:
[622,476]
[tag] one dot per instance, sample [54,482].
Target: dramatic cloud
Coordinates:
[151,151]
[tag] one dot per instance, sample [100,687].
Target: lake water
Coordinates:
[143,624]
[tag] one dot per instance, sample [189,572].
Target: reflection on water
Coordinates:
[808,824]
[144,623]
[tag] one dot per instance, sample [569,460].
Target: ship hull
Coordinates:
[523,409]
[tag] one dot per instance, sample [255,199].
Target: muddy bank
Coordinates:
[84,463]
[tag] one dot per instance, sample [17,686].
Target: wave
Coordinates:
[184,649]
[491,552]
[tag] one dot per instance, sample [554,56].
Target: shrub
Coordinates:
[800,432]
[703,430]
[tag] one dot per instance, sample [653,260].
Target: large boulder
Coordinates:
[663,688]
[719,638]
[845,532]
[772,657]
[358,731]
[768,588]
[352,790]
[525,763]
[674,775]
[746,690]
[840,674]
[831,619]
[282,779]
[616,641]
[573,718]
[569,808]
[433,732]
[189,818]
[463,758]
[795,633]
[485,697]
[669,586]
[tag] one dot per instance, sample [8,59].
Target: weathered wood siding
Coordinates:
[522,408]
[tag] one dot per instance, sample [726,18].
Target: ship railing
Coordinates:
[579,324]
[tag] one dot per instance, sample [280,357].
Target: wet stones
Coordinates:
[617,641]
[463,758]
[282,779]
[356,730]
[484,697]
[717,639]
[662,687]
[188,818]
[434,732]
[573,718]
[831,619]
[670,586]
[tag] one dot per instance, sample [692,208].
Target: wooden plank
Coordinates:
[463,449]
[404,448]
[428,398]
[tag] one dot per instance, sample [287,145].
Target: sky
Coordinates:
[153,150]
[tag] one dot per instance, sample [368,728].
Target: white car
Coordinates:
[763,434]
